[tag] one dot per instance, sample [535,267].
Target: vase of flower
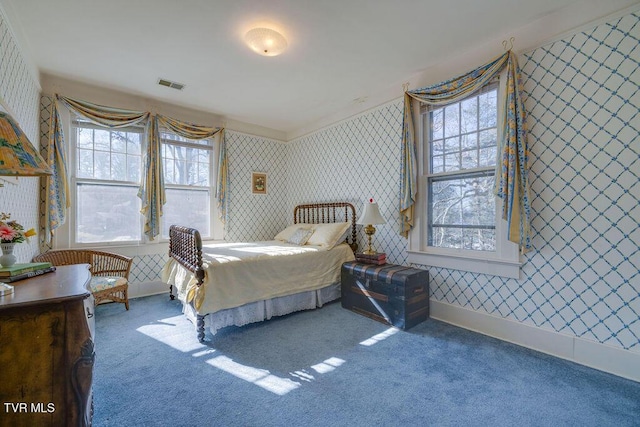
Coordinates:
[11,233]
[8,258]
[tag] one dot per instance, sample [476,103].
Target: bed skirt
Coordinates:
[265,310]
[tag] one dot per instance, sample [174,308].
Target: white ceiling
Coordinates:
[341,52]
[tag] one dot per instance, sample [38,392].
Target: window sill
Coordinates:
[494,267]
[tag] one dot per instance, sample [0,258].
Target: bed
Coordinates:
[237,283]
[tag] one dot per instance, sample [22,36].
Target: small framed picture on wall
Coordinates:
[259,183]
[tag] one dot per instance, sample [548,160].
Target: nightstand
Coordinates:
[391,294]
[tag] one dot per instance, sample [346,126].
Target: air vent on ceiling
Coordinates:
[169,83]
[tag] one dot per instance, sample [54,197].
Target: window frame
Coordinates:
[66,235]
[467,174]
[505,261]
[214,149]
[76,181]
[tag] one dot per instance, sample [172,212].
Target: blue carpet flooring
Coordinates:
[332,367]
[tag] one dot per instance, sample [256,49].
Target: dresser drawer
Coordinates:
[89,310]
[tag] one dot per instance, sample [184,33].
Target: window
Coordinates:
[108,172]
[188,176]
[107,176]
[460,227]
[462,158]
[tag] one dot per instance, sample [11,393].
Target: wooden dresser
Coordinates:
[46,350]
[389,293]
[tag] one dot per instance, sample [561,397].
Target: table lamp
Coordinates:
[370,216]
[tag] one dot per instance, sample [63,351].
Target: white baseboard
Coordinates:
[617,361]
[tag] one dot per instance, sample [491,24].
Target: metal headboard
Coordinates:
[185,246]
[320,213]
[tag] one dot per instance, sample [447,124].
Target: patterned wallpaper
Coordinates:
[582,278]
[256,216]
[354,161]
[584,106]
[20,93]
[147,267]
[46,105]
[583,101]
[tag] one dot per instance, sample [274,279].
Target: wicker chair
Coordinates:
[109,271]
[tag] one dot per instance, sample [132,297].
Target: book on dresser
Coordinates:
[24,271]
[16,269]
[377,258]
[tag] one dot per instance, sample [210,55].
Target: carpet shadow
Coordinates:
[331,366]
[306,337]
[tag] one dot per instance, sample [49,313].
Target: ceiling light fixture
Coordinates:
[265,41]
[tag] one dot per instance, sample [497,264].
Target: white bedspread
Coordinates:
[241,273]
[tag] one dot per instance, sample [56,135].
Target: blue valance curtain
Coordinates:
[151,190]
[512,176]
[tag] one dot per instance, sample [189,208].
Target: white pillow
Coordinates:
[286,234]
[300,236]
[328,235]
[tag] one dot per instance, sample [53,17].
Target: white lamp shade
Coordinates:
[371,215]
